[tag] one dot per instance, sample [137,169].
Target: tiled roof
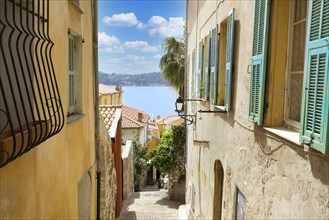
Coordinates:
[105,89]
[130,117]
[127,123]
[107,113]
[168,119]
[178,121]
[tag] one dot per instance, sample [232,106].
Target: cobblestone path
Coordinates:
[149,204]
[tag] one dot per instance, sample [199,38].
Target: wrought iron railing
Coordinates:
[30,105]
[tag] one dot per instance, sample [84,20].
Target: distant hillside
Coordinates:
[145,79]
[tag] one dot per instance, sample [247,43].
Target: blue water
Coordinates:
[154,100]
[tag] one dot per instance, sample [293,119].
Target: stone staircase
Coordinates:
[150,181]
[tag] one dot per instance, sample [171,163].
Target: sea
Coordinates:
[153,100]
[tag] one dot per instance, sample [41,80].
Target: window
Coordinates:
[296,56]
[222,95]
[213,65]
[200,70]
[74,76]
[206,68]
[30,105]
[203,68]
[306,71]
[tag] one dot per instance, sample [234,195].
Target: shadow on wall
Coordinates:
[319,163]
[320,168]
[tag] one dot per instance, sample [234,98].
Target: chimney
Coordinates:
[140,116]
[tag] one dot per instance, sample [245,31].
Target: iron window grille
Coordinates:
[30,104]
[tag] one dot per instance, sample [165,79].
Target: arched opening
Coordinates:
[218,190]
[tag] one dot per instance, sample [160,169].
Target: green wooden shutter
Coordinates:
[315,105]
[258,61]
[207,68]
[200,65]
[213,65]
[193,78]
[72,83]
[229,59]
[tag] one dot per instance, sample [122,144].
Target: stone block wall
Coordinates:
[108,175]
[128,169]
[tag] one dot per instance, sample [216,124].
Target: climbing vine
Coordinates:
[140,163]
[171,147]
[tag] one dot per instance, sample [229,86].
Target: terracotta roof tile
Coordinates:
[168,119]
[107,113]
[130,117]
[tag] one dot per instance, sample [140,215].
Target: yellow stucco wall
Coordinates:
[43,183]
[111,99]
[151,144]
[161,128]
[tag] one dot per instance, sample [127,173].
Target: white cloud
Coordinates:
[109,44]
[159,26]
[141,46]
[157,56]
[135,45]
[157,21]
[122,19]
[128,64]
[128,60]
[113,50]
[107,40]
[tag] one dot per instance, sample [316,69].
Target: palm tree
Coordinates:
[172,62]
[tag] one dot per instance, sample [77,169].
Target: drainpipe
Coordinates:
[96,102]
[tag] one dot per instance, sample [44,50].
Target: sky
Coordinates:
[130,33]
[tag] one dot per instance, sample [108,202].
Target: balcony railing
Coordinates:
[30,105]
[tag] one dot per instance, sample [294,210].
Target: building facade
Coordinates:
[110,95]
[259,146]
[47,119]
[166,122]
[134,124]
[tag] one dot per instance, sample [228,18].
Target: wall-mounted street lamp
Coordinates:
[179,104]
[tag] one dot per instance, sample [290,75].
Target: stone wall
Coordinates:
[128,169]
[108,175]
[176,184]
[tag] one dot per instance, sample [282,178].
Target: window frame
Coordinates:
[78,111]
[72,107]
[295,125]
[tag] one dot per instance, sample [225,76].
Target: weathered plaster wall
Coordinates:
[279,179]
[128,169]
[43,183]
[129,134]
[108,175]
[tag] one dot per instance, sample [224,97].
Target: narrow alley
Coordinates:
[150,203]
